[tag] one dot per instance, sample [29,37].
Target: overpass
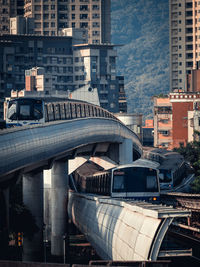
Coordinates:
[27,151]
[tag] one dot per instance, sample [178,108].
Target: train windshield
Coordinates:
[12,110]
[165,176]
[135,179]
[25,109]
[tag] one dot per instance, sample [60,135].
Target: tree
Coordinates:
[191,153]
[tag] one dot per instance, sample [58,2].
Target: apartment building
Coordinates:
[184,22]
[51,17]
[162,122]
[96,65]
[9,9]
[69,66]
[176,119]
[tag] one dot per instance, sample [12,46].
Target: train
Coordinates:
[172,167]
[32,110]
[172,170]
[138,180]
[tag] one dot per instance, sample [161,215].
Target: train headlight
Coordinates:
[154,198]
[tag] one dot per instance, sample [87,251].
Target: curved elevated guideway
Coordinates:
[35,146]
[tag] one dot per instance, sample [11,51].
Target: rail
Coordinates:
[184,200]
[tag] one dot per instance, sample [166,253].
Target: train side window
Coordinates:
[37,111]
[46,113]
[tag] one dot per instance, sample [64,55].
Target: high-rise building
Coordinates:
[70,66]
[9,9]
[184,24]
[51,17]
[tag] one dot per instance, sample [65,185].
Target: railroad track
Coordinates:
[183,200]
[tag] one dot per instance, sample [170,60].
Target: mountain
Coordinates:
[142,26]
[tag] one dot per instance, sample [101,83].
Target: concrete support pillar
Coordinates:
[33,199]
[47,205]
[59,192]
[126,152]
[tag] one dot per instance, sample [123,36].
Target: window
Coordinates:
[95,7]
[53,16]
[95,16]
[73,16]
[73,7]
[83,16]
[46,24]
[45,7]
[52,7]
[83,24]
[83,8]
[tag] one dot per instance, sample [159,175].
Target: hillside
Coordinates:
[142,27]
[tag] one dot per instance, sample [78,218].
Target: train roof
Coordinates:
[89,168]
[140,163]
[47,99]
[169,160]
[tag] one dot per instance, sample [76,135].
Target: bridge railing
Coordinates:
[74,109]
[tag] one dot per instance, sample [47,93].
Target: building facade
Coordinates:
[9,9]
[176,119]
[162,122]
[96,65]
[69,66]
[92,15]
[184,22]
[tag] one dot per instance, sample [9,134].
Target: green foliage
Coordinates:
[196,185]
[21,219]
[191,153]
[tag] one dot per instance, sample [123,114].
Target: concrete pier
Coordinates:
[59,192]
[33,199]
[126,151]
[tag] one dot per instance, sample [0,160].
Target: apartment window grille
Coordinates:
[84,8]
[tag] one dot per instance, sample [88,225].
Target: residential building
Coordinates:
[193,81]
[21,25]
[176,119]
[184,22]
[148,133]
[37,80]
[184,105]
[69,66]
[9,9]
[96,65]
[162,122]
[122,95]
[51,17]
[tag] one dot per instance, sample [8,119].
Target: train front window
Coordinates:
[12,110]
[139,179]
[165,176]
[118,183]
[24,112]
[151,184]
